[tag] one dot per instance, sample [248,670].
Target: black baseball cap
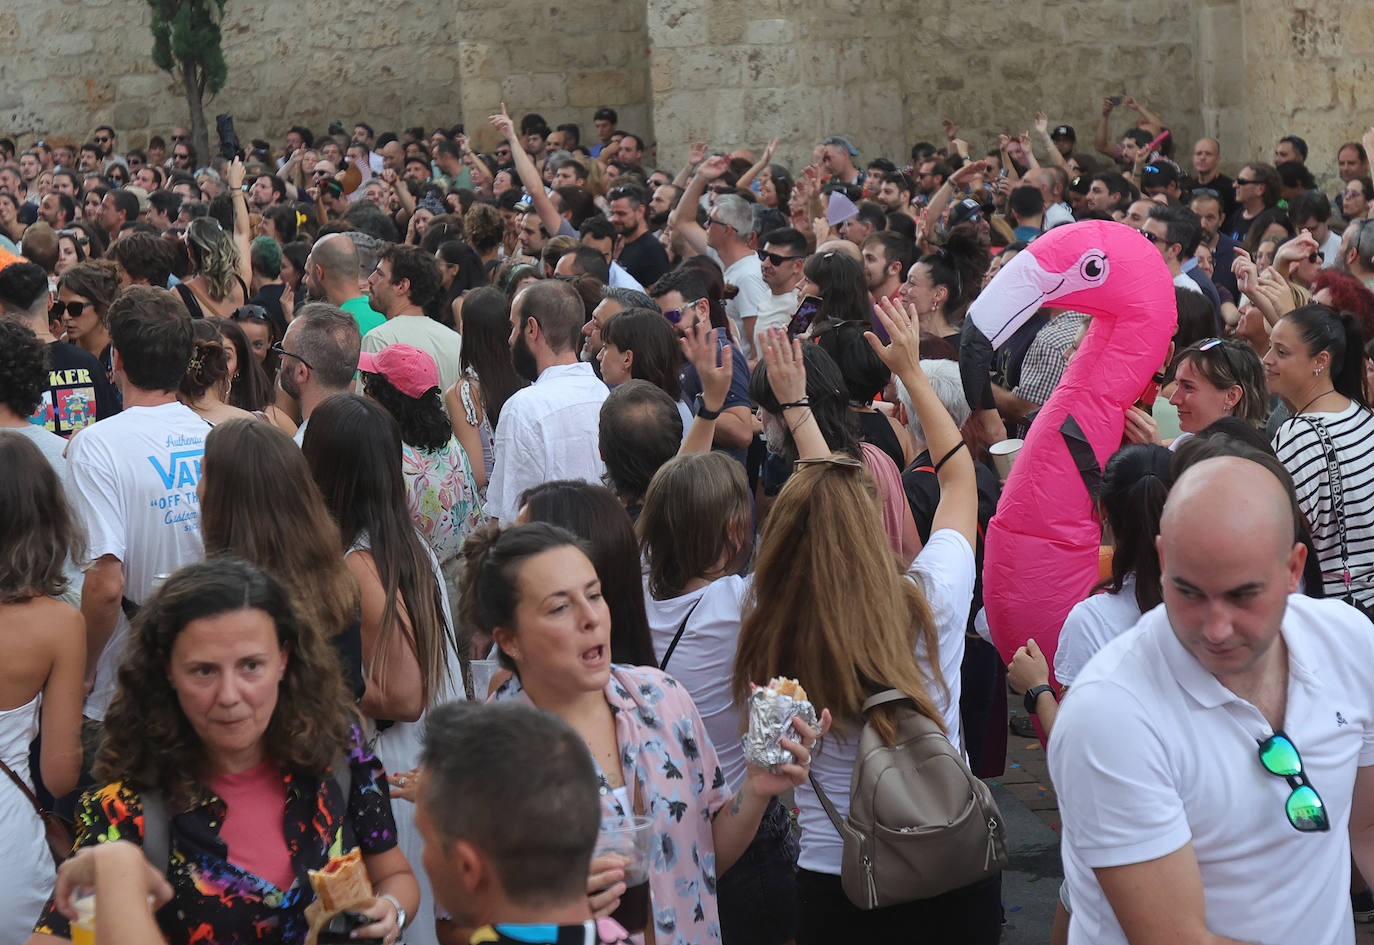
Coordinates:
[1063,131]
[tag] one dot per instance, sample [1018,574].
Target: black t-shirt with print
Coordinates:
[79,391]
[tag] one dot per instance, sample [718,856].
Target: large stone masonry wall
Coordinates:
[734,72]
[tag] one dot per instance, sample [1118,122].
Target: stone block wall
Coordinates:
[733,72]
[68,65]
[885,72]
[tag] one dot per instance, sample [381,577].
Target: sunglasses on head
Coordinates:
[250,311]
[1304,806]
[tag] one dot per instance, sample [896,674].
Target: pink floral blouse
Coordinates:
[666,753]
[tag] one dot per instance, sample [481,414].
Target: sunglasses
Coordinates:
[278,349]
[1205,192]
[775,259]
[1304,806]
[70,309]
[838,459]
[1241,182]
[102,140]
[77,235]
[250,311]
[181,137]
[1151,237]
[674,315]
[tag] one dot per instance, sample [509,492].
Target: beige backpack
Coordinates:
[920,823]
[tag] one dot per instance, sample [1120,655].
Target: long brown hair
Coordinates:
[148,739]
[696,510]
[37,530]
[260,502]
[829,607]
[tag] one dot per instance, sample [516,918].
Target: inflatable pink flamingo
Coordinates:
[1041,551]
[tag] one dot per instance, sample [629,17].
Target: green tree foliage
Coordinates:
[186,42]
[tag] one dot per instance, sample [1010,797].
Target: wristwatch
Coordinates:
[400,910]
[706,413]
[1033,694]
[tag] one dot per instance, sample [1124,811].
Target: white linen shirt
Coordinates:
[547,431]
[1150,752]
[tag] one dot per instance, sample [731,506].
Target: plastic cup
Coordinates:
[482,671]
[632,838]
[83,927]
[1004,454]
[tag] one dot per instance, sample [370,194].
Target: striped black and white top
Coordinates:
[1300,449]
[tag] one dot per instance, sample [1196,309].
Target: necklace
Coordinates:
[1314,400]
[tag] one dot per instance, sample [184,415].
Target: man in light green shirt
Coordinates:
[331,275]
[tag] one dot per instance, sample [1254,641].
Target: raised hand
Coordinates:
[951,129]
[503,124]
[902,352]
[769,151]
[714,167]
[715,365]
[1042,124]
[697,153]
[786,369]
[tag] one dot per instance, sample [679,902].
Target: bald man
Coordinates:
[1186,815]
[331,275]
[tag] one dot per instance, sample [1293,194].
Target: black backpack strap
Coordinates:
[663,663]
[157,830]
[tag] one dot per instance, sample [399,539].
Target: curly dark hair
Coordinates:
[420,267]
[422,420]
[148,739]
[23,368]
[483,226]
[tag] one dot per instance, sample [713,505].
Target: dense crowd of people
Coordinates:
[300,438]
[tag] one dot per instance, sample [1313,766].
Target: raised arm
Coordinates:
[549,216]
[243,234]
[716,368]
[1042,128]
[749,175]
[1102,138]
[956,182]
[684,216]
[695,156]
[958,508]
[787,377]
[1153,123]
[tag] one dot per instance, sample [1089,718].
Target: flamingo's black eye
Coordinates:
[1093,267]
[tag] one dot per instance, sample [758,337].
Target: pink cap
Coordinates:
[410,370]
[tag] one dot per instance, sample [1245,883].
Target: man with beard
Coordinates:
[331,275]
[320,351]
[404,282]
[599,234]
[550,429]
[640,253]
[661,204]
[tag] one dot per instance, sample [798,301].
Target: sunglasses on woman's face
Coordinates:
[69,309]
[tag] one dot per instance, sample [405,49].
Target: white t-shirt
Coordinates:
[1331,250]
[776,312]
[1151,752]
[49,444]
[1091,625]
[131,481]
[745,274]
[945,571]
[704,660]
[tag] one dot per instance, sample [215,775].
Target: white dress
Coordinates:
[28,874]
[398,748]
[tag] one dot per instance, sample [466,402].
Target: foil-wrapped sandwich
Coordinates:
[771,711]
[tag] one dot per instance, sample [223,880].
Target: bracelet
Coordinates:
[800,423]
[400,912]
[950,455]
[804,402]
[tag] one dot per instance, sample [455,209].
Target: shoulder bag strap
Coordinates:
[883,698]
[829,807]
[663,663]
[19,782]
[157,830]
[1333,479]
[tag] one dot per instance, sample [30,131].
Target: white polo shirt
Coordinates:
[1151,752]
